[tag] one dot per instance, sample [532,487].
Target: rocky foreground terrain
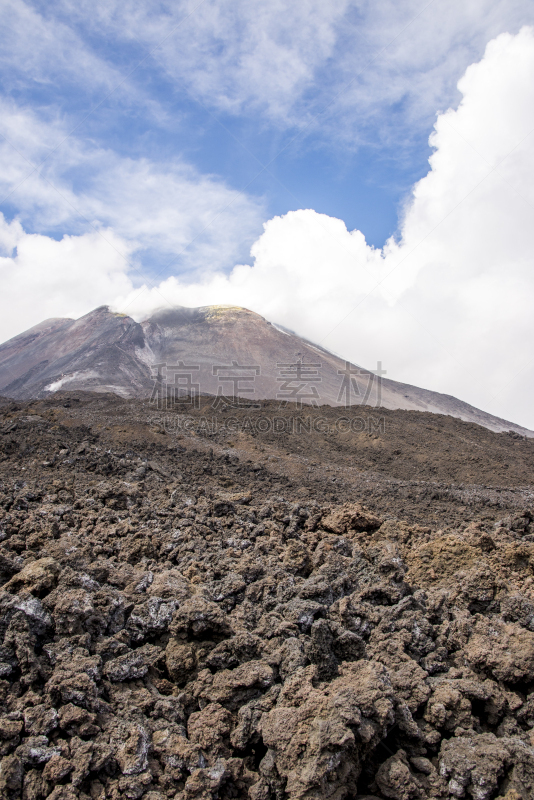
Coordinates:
[193,613]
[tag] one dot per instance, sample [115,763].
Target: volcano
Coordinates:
[224,351]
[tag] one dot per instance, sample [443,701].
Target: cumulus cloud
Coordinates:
[449,305]
[53,278]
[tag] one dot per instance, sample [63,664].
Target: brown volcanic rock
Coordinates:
[37,577]
[351,517]
[319,736]
[235,624]
[504,651]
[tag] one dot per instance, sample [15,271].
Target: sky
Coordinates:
[360,172]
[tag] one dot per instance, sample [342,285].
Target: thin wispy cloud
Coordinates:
[164,208]
[290,63]
[285,62]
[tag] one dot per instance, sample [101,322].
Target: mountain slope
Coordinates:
[213,350]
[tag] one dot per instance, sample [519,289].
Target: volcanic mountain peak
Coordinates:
[179,315]
[218,350]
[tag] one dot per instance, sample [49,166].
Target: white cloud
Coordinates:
[230,53]
[52,278]
[43,49]
[350,70]
[449,306]
[408,61]
[171,210]
[347,62]
[116,212]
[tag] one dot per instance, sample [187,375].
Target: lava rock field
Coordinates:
[202,614]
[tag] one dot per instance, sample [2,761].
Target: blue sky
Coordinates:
[142,143]
[294,106]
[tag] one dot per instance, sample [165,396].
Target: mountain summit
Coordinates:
[215,350]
